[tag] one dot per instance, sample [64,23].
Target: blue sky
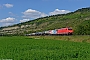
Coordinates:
[17,11]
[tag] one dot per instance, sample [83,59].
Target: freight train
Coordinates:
[62,31]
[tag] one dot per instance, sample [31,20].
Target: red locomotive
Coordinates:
[67,31]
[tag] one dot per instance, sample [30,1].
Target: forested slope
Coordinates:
[79,20]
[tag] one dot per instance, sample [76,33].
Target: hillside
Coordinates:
[78,20]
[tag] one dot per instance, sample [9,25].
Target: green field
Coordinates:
[27,48]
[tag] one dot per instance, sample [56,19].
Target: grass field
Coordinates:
[27,48]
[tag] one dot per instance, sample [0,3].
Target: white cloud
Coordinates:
[8,20]
[13,15]
[24,20]
[33,14]
[1,6]
[7,24]
[8,5]
[57,11]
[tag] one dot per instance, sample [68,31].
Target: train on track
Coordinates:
[61,31]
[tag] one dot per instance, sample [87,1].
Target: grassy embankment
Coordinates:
[74,38]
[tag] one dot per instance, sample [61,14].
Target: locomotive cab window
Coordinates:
[69,29]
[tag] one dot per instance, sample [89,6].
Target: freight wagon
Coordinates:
[62,31]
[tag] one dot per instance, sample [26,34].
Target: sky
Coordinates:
[18,11]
